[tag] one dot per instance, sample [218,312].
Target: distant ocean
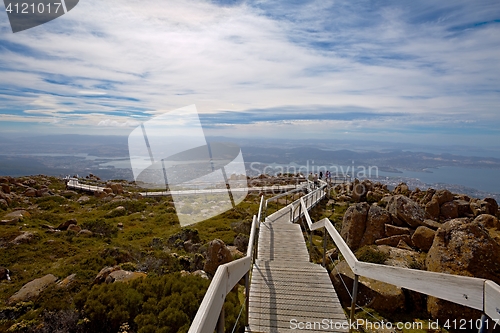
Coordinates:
[487,180]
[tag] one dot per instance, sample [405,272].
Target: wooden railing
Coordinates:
[210,314]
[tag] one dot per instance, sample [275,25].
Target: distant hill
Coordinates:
[75,139]
[23,166]
[96,145]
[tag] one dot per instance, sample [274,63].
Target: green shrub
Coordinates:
[100,227]
[371,254]
[50,203]
[132,206]
[154,304]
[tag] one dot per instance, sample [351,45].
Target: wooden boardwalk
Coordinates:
[73,184]
[288,291]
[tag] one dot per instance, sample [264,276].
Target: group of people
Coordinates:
[315,178]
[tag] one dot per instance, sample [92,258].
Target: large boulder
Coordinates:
[423,237]
[24,238]
[74,228]
[17,215]
[432,209]
[242,227]
[463,208]
[241,242]
[83,199]
[354,224]
[67,281]
[118,211]
[66,224]
[405,258]
[443,196]
[85,233]
[428,196]
[30,192]
[374,294]
[6,188]
[115,188]
[359,193]
[479,207]
[462,249]
[4,273]
[124,276]
[449,210]
[32,289]
[217,254]
[186,234]
[431,224]
[406,210]
[402,189]
[487,221]
[103,274]
[493,205]
[376,219]
[394,240]
[392,230]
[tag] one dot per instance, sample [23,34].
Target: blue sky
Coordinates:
[401,71]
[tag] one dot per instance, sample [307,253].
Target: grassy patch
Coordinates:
[372,254]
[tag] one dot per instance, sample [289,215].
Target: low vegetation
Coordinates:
[140,237]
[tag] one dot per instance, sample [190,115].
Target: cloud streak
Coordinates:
[310,68]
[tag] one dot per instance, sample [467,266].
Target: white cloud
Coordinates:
[113,123]
[147,58]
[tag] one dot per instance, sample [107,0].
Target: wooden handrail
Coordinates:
[228,275]
[476,293]
[224,280]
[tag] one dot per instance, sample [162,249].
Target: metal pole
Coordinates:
[220,322]
[311,242]
[324,246]
[300,210]
[484,325]
[247,294]
[353,302]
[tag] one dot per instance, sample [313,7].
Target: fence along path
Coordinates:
[287,292]
[74,184]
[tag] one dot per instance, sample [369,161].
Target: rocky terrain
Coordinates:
[78,262]
[63,250]
[433,230]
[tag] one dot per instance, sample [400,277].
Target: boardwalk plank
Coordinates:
[285,286]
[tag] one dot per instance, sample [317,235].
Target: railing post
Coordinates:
[484,326]
[247,294]
[310,241]
[300,211]
[220,322]
[353,301]
[324,246]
